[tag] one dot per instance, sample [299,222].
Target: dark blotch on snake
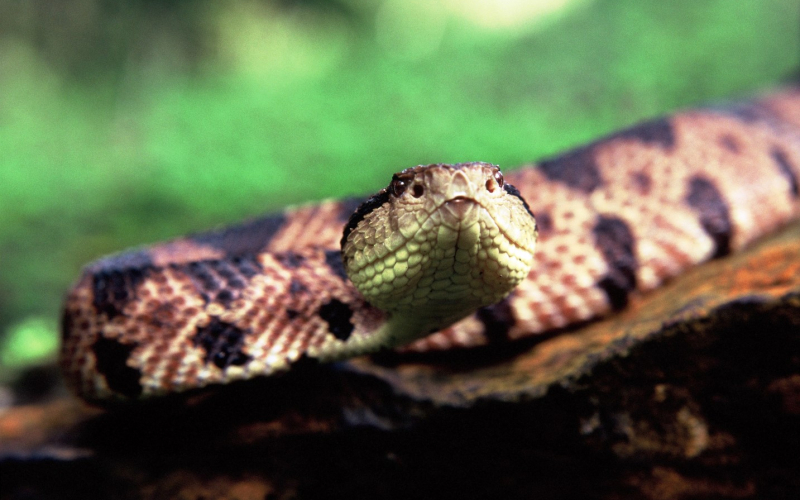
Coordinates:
[576,170]
[225,297]
[228,273]
[515,192]
[615,241]
[290,260]
[337,314]
[247,265]
[544,223]
[222,343]
[296,287]
[366,208]
[658,132]
[712,212]
[248,238]
[747,112]
[111,357]
[786,170]
[643,182]
[334,260]
[219,279]
[112,289]
[201,276]
[730,143]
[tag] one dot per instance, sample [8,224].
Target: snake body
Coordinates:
[616,217]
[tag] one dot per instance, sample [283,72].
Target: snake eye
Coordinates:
[499,178]
[495,182]
[398,186]
[418,190]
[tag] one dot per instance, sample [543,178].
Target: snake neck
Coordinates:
[399,329]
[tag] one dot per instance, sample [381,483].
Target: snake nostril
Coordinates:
[418,190]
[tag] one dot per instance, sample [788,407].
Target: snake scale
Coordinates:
[616,217]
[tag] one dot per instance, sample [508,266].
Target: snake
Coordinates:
[447,256]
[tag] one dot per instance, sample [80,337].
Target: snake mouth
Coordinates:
[460,206]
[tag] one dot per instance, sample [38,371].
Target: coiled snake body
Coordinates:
[616,217]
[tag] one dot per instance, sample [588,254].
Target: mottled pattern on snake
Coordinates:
[616,217]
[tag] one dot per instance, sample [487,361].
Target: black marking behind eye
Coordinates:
[497,320]
[366,208]
[615,241]
[334,260]
[659,132]
[515,192]
[112,356]
[222,343]
[248,238]
[348,206]
[786,170]
[577,170]
[712,211]
[337,314]
[112,289]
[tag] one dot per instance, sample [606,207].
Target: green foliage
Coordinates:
[191,114]
[32,341]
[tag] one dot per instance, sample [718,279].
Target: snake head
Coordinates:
[439,242]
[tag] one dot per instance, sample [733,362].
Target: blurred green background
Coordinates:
[128,122]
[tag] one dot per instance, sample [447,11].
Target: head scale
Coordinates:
[439,242]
